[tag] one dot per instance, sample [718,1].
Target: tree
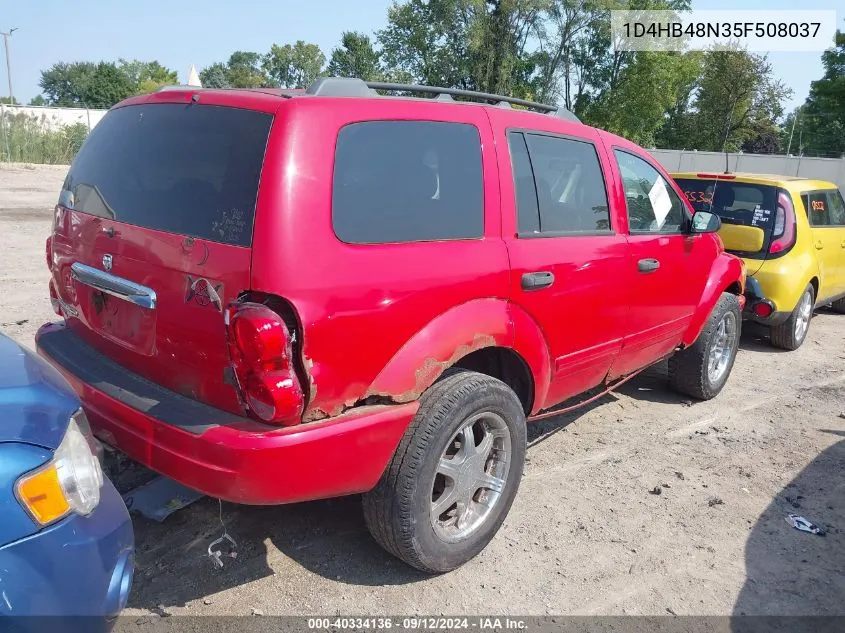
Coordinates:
[295,66]
[147,76]
[215,76]
[38,100]
[9,101]
[736,92]
[243,70]
[87,84]
[355,57]
[765,138]
[821,123]
[428,41]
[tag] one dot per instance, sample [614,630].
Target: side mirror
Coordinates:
[704,222]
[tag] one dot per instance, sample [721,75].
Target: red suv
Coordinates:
[276,296]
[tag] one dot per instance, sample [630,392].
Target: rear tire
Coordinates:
[701,370]
[792,333]
[466,443]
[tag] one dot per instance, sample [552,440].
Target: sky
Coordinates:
[179,33]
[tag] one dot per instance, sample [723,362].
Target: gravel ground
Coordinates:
[585,535]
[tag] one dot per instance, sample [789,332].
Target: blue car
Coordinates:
[66,540]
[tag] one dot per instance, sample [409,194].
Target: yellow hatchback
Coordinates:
[790,232]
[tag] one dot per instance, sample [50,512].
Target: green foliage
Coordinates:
[9,101]
[244,71]
[355,57]
[821,122]
[101,85]
[428,41]
[293,66]
[553,51]
[38,100]
[147,76]
[28,139]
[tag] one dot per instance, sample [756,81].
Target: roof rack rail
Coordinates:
[178,87]
[350,87]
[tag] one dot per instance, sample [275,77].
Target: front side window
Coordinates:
[653,206]
[407,181]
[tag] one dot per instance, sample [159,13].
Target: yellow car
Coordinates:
[790,232]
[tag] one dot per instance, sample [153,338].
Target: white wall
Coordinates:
[832,169]
[54,118]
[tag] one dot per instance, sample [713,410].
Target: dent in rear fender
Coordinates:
[440,344]
[726,271]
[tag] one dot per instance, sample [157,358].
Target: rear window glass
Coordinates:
[186,169]
[407,181]
[734,202]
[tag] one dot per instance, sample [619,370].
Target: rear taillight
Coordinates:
[763,309]
[262,358]
[783,232]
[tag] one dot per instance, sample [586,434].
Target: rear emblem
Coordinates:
[203,293]
[107,261]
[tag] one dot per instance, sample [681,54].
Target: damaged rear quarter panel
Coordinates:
[377,319]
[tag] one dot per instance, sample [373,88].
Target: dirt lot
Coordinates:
[585,535]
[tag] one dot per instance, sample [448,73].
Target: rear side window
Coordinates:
[559,185]
[186,169]
[407,181]
[825,208]
[818,209]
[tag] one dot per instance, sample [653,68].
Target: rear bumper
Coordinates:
[75,575]
[226,456]
[754,296]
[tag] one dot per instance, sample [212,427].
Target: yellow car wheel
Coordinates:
[790,334]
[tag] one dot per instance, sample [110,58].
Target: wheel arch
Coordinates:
[490,335]
[726,275]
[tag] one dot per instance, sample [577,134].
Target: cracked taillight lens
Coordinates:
[262,357]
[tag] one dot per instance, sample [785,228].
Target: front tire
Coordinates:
[701,370]
[792,333]
[453,477]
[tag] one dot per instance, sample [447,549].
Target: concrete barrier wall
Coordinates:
[832,169]
[55,118]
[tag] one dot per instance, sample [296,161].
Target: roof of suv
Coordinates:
[342,87]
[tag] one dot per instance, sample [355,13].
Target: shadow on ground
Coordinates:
[795,573]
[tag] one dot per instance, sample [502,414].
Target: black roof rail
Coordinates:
[349,87]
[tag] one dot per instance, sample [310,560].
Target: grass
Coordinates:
[26,138]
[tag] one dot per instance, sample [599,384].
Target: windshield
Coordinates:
[186,169]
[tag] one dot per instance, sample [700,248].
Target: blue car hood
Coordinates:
[35,401]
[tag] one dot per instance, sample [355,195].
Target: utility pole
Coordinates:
[6,37]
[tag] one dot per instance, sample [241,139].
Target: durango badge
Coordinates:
[202,292]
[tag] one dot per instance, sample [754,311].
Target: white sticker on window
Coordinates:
[660,202]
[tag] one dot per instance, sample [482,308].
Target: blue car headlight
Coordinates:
[69,482]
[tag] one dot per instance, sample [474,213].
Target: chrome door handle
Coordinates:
[114,285]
